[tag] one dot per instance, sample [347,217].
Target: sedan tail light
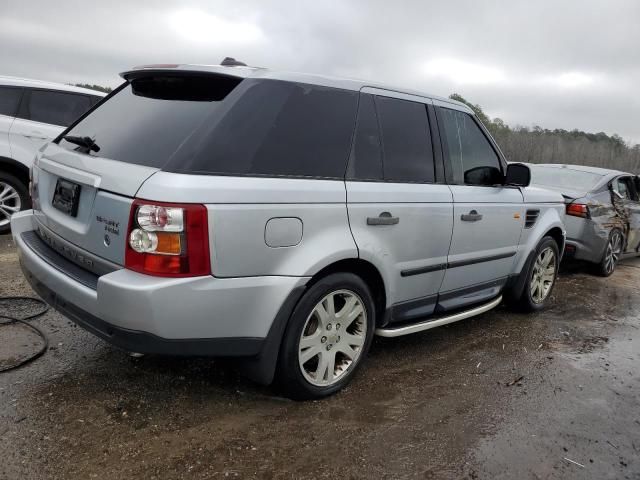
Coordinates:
[578,210]
[168,240]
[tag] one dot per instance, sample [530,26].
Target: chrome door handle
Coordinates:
[472,216]
[385,218]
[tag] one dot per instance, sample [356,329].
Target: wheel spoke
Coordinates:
[8,194]
[323,366]
[347,307]
[331,365]
[353,340]
[5,212]
[322,314]
[330,306]
[309,353]
[10,208]
[348,351]
[311,340]
[353,315]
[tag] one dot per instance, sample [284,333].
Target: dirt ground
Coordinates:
[504,395]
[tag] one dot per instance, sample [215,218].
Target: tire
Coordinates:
[14,197]
[313,340]
[540,280]
[611,254]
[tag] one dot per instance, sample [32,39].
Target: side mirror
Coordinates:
[518,175]
[483,176]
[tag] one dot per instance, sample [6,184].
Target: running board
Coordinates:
[429,324]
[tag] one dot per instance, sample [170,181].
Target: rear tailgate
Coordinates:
[104,190]
[85,181]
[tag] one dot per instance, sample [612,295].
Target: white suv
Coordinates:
[284,218]
[32,112]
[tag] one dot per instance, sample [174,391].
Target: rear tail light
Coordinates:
[578,210]
[168,240]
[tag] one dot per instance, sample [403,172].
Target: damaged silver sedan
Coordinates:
[603,212]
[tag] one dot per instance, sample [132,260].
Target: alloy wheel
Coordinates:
[332,338]
[544,275]
[10,203]
[614,249]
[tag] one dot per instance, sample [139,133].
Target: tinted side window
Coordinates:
[279,128]
[366,156]
[406,140]
[57,108]
[9,100]
[467,146]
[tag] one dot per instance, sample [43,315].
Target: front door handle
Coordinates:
[385,218]
[472,216]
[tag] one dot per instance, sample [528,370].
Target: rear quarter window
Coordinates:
[56,108]
[277,128]
[9,100]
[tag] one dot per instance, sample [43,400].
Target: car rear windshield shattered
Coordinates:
[224,125]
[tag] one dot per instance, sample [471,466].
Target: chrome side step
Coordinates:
[429,324]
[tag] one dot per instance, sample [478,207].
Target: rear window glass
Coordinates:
[221,125]
[564,178]
[56,108]
[9,100]
[147,120]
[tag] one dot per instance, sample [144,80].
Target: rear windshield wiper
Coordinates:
[86,142]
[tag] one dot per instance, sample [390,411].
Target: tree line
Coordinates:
[99,88]
[540,145]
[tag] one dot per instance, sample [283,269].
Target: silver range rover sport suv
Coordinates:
[282,218]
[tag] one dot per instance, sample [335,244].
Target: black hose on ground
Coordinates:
[10,320]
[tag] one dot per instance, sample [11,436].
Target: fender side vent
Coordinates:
[532,218]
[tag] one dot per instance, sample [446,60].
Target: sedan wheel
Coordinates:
[613,252]
[543,276]
[332,338]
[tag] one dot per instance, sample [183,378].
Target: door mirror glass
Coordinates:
[483,176]
[518,175]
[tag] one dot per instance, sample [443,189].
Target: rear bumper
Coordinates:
[586,239]
[175,316]
[590,251]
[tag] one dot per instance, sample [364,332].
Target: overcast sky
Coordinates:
[558,64]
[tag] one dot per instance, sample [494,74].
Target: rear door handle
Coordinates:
[385,218]
[472,216]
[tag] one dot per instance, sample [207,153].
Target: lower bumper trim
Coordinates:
[144,342]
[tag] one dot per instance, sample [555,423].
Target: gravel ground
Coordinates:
[503,395]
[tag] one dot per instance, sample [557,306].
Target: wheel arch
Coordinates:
[557,234]
[15,168]
[365,270]
[261,369]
